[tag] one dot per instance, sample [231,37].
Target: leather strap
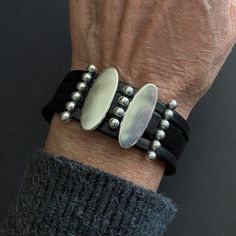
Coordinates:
[176,135]
[68,86]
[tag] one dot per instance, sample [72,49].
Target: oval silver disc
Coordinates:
[99,99]
[138,115]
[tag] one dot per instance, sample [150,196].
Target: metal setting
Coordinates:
[160,134]
[151,155]
[138,115]
[70,106]
[81,86]
[165,124]
[155,144]
[86,77]
[123,101]
[128,90]
[114,123]
[173,104]
[99,99]
[92,68]
[168,114]
[76,96]
[118,111]
[65,116]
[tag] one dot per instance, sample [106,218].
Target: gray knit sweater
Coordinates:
[62,197]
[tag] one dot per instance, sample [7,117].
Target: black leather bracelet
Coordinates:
[176,136]
[67,86]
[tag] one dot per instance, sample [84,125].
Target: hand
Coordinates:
[178,45]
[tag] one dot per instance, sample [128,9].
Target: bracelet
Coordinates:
[134,117]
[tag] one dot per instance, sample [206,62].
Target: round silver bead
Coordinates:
[155,144]
[81,86]
[118,111]
[70,106]
[114,123]
[124,101]
[172,104]
[128,90]
[86,77]
[160,134]
[76,96]
[92,68]
[165,124]
[65,116]
[151,155]
[168,114]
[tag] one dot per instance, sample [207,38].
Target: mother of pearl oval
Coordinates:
[138,115]
[99,99]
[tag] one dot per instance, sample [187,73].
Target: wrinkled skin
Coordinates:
[179,45]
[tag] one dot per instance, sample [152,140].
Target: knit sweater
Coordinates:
[63,197]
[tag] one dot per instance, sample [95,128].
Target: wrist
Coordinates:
[168,89]
[100,151]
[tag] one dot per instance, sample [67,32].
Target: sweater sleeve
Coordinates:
[62,197]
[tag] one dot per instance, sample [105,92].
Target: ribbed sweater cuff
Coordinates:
[63,197]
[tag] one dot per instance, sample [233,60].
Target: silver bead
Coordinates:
[168,114]
[155,144]
[118,111]
[76,96]
[81,86]
[165,124]
[151,155]
[160,134]
[124,101]
[172,104]
[65,116]
[128,90]
[92,68]
[86,77]
[114,123]
[70,106]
